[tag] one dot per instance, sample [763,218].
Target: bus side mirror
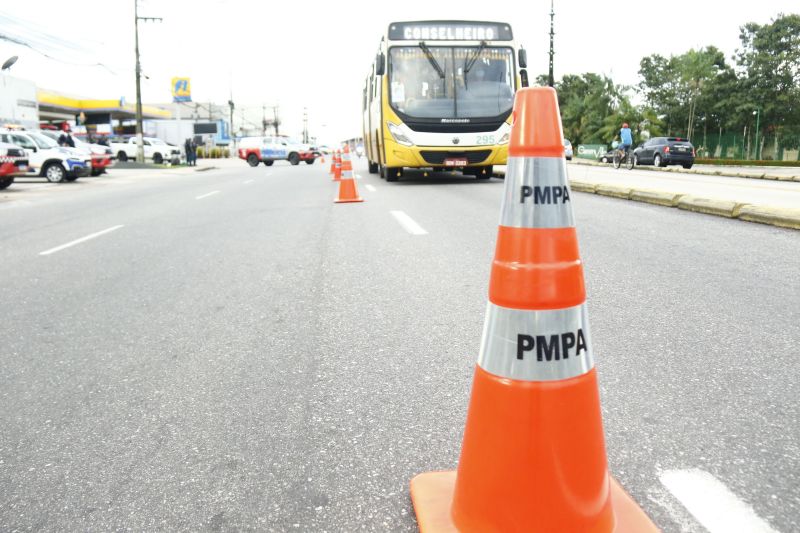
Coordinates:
[523,74]
[523,58]
[380,64]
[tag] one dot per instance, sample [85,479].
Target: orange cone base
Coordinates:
[432,496]
[348,200]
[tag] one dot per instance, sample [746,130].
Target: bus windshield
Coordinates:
[450,81]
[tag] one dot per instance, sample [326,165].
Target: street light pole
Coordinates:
[757,113]
[550,80]
[139,126]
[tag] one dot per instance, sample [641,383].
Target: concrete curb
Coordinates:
[775,216]
[750,175]
[615,191]
[650,196]
[582,186]
[722,208]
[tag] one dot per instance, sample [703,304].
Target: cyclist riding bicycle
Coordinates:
[627,138]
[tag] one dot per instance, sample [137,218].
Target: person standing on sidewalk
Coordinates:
[191,154]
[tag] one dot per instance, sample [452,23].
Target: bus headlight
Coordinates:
[503,139]
[398,135]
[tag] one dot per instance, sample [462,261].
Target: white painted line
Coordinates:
[370,187]
[82,239]
[248,181]
[408,223]
[358,176]
[713,505]
[206,195]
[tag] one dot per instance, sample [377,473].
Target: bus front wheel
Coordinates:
[373,168]
[391,173]
[484,173]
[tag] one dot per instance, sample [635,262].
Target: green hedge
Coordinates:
[215,153]
[746,162]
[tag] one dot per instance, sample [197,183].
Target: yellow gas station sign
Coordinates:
[181,90]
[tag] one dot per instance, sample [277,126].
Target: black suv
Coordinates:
[663,151]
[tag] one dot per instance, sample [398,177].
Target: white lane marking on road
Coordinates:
[713,505]
[408,223]
[358,176]
[82,239]
[370,188]
[248,181]
[206,195]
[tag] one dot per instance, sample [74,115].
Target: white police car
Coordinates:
[46,158]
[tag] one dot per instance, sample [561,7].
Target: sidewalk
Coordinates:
[769,202]
[766,173]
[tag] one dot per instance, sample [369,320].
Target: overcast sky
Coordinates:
[296,55]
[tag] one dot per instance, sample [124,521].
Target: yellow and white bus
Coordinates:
[439,96]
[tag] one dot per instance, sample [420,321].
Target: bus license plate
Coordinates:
[455,162]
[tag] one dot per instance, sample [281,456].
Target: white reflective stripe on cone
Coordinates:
[537,194]
[536,345]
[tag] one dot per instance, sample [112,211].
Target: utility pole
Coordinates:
[263,119]
[550,80]
[230,104]
[139,126]
[305,125]
[277,120]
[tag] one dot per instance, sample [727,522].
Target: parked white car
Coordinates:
[155,150]
[101,156]
[46,158]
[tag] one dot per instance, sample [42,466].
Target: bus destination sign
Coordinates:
[449,31]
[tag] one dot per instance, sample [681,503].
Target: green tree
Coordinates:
[678,88]
[769,63]
[586,102]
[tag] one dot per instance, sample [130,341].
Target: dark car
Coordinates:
[663,151]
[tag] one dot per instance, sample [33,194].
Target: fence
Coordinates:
[771,146]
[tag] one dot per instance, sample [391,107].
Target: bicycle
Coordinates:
[624,156]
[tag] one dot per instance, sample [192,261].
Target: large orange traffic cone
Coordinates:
[347,185]
[347,163]
[533,457]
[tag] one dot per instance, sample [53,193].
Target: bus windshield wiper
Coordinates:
[469,62]
[431,59]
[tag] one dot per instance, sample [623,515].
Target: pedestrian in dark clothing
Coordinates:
[191,152]
[194,152]
[65,139]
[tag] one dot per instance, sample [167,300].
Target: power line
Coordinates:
[22,43]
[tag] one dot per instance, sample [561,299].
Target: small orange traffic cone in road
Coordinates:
[533,457]
[347,185]
[337,167]
[333,162]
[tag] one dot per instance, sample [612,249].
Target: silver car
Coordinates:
[567,150]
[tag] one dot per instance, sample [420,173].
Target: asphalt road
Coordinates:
[233,351]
